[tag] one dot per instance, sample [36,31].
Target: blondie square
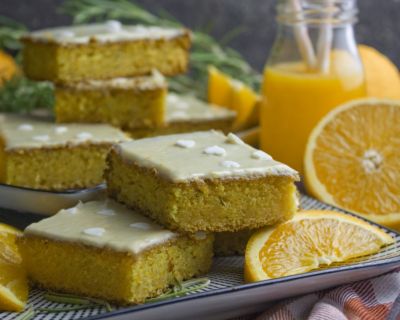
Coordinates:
[102,249]
[41,155]
[201,181]
[104,51]
[126,103]
[186,113]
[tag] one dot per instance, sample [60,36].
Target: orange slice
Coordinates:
[219,88]
[8,67]
[13,281]
[235,95]
[352,159]
[312,239]
[381,75]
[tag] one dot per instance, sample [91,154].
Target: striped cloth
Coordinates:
[373,299]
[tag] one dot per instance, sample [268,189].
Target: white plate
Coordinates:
[44,202]
[227,296]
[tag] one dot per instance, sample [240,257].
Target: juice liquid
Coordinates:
[295,99]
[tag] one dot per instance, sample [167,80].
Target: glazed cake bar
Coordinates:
[201,181]
[41,155]
[104,51]
[126,103]
[102,249]
[188,114]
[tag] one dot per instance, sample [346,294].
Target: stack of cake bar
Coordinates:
[168,196]
[111,73]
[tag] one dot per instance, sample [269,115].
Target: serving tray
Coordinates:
[227,296]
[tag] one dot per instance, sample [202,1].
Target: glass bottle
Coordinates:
[313,67]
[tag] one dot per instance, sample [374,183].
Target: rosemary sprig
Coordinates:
[182,289]
[10,32]
[72,299]
[23,95]
[27,315]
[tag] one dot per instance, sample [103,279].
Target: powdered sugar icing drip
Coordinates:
[211,155]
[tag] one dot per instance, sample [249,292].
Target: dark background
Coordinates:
[379,23]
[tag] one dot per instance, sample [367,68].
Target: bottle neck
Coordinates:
[317,12]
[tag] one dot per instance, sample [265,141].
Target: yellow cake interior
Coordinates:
[110,275]
[103,249]
[201,181]
[95,60]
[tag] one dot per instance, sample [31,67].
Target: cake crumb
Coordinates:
[234,139]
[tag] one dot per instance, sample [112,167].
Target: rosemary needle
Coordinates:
[27,315]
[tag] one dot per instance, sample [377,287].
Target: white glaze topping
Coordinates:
[126,231]
[41,138]
[61,130]
[25,127]
[230,164]
[150,82]
[95,232]
[111,31]
[212,156]
[183,108]
[45,134]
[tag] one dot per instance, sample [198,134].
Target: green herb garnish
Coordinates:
[182,289]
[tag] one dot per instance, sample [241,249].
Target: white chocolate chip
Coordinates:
[234,139]
[41,138]
[25,127]
[95,232]
[185,143]
[113,26]
[141,226]
[215,151]
[230,164]
[61,130]
[261,155]
[84,135]
[106,212]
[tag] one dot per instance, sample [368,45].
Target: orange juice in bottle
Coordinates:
[300,87]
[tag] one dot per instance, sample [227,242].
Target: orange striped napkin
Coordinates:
[373,299]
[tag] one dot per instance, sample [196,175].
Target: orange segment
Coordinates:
[381,75]
[310,240]
[13,281]
[219,88]
[235,95]
[352,159]
[8,67]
